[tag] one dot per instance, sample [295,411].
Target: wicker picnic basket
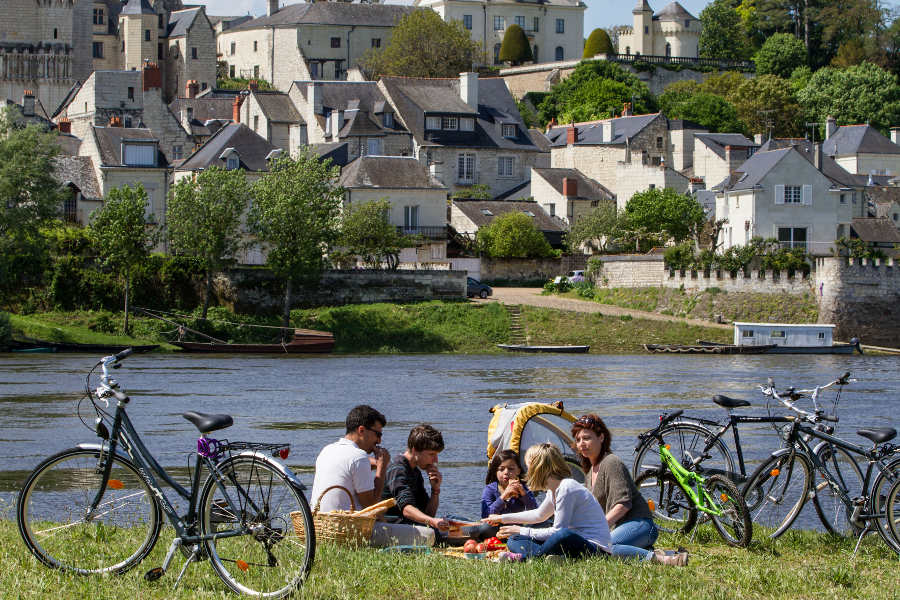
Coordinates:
[338,527]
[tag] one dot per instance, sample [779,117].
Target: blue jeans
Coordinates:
[564,542]
[632,538]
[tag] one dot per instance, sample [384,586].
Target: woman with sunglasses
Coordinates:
[629,517]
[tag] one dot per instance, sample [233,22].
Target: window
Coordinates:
[256,71]
[194,52]
[231,71]
[551,209]
[792,237]
[627,50]
[190,113]
[559,53]
[467,22]
[98,49]
[466,124]
[139,155]
[123,45]
[70,205]
[821,335]
[160,51]
[747,333]
[659,143]
[465,166]
[159,22]
[499,23]
[646,30]
[432,122]
[55,33]
[410,217]
[127,121]
[506,166]
[560,26]
[450,123]
[177,152]
[335,42]
[777,334]
[668,50]
[98,16]
[255,122]
[687,23]
[339,72]
[843,198]
[146,35]
[232,48]
[232,162]
[131,93]
[374,147]
[536,24]
[255,45]
[520,21]
[387,119]
[202,85]
[148,209]
[314,70]
[792,194]
[376,42]
[895,216]
[508,130]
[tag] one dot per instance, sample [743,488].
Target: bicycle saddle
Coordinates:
[726,402]
[206,423]
[878,435]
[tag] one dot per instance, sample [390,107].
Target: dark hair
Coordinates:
[364,416]
[498,459]
[425,437]
[594,423]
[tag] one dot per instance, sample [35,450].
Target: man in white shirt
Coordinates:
[346,462]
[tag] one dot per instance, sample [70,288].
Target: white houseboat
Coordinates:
[787,338]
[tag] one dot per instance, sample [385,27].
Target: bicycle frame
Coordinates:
[686,479]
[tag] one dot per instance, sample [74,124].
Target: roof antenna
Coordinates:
[767,120]
[813,127]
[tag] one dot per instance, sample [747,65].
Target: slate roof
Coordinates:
[877,230]
[539,139]
[330,13]
[588,189]
[717,141]
[414,98]
[858,139]
[391,172]
[830,167]
[110,139]
[78,170]
[359,100]
[338,152]
[518,191]
[474,210]
[642,6]
[229,21]
[673,12]
[137,7]
[252,149]
[277,107]
[40,116]
[180,21]
[205,108]
[591,133]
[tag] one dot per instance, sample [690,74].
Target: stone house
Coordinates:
[567,194]
[637,176]
[273,116]
[77,173]
[554,28]
[467,131]
[191,50]
[203,115]
[717,155]
[672,32]
[306,41]
[862,149]
[418,201]
[467,216]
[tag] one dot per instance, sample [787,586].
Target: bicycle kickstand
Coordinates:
[157,572]
[195,554]
[862,534]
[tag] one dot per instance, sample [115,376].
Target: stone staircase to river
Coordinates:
[516,331]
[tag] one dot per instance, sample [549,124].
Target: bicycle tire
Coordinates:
[686,441]
[892,516]
[734,526]
[672,510]
[777,490]
[52,505]
[833,513]
[269,560]
[878,495]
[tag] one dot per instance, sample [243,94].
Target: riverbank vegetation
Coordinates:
[800,564]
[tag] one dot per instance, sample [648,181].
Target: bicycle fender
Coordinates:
[295,481]
[102,448]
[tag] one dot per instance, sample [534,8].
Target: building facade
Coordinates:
[672,32]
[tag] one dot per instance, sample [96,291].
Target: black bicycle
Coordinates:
[97,507]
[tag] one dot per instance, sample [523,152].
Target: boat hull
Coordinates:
[317,345]
[705,348]
[43,346]
[563,349]
[776,349]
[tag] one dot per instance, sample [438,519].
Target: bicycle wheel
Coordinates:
[266,558]
[834,514]
[878,496]
[777,490]
[892,516]
[52,514]
[672,510]
[734,523]
[686,442]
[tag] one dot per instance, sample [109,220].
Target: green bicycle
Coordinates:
[677,496]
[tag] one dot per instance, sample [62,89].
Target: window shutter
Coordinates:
[807,195]
[779,194]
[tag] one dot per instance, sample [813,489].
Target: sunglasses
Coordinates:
[378,434]
[586,420]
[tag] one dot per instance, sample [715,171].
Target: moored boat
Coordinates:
[706,348]
[46,346]
[526,348]
[304,341]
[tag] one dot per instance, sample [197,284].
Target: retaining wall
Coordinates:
[529,269]
[861,298]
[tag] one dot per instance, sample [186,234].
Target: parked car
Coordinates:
[476,288]
[571,277]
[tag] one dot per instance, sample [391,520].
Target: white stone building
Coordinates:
[567,194]
[672,32]
[555,28]
[862,149]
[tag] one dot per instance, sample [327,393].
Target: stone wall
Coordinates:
[258,290]
[630,270]
[529,269]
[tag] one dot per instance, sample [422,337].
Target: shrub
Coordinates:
[679,257]
[5,328]
[515,48]
[598,43]
[584,289]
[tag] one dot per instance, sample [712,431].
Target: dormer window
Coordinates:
[487,212]
[432,122]
[138,154]
[509,130]
[450,123]
[232,159]
[387,119]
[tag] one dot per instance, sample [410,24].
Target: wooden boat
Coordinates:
[45,346]
[305,341]
[525,348]
[834,348]
[706,348]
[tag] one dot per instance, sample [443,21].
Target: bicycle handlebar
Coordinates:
[793,395]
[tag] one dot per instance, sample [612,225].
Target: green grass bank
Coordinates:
[799,565]
[430,327]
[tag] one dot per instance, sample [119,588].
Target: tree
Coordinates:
[513,235]
[423,45]
[780,55]
[597,230]
[203,219]
[598,43]
[121,233]
[595,89]
[769,92]
[515,48]
[722,35]
[711,111]
[366,232]
[295,216]
[666,211]
[723,84]
[862,93]
[676,93]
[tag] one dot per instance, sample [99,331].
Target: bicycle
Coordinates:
[781,485]
[98,508]
[678,494]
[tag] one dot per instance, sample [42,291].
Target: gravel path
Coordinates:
[533,297]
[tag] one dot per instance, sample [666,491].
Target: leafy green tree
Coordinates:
[858,94]
[595,89]
[367,233]
[597,230]
[722,35]
[513,235]
[713,112]
[598,43]
[780,55]
[122,236]
[294,214]
[676,93]
[203,219]
[769,92]
[666,211]
[515,48]
[424,45]
[723,84]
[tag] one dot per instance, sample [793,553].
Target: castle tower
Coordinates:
[139,32]
[643,28]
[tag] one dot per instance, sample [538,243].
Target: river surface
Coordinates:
[304,400]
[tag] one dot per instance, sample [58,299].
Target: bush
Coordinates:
[5,328]
[679,257]
[598,43]
[560,288]
[584,289]
[515,48]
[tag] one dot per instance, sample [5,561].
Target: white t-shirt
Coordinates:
[346,464]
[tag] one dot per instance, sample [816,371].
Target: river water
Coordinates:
[303,400]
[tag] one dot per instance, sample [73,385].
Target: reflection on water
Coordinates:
[303,401]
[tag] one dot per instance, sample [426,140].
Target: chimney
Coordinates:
[468,89]
[236,108]
[337,123]
[728,156]
[758,139]
[571,135]
[570,187]
[253,85]
[895,135]
[626,109]
[817,156]
[152,76]
[830,126]
[191,89]
[609,130]
[28,103]
[272,8]
[64,125]
[115,121]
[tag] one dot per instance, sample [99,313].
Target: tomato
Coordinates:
[470,546]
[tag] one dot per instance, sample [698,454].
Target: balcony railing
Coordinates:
[715,63]
[427,232]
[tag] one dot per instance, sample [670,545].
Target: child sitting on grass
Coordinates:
[504,492]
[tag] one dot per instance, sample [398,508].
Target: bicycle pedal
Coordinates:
[154,574]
